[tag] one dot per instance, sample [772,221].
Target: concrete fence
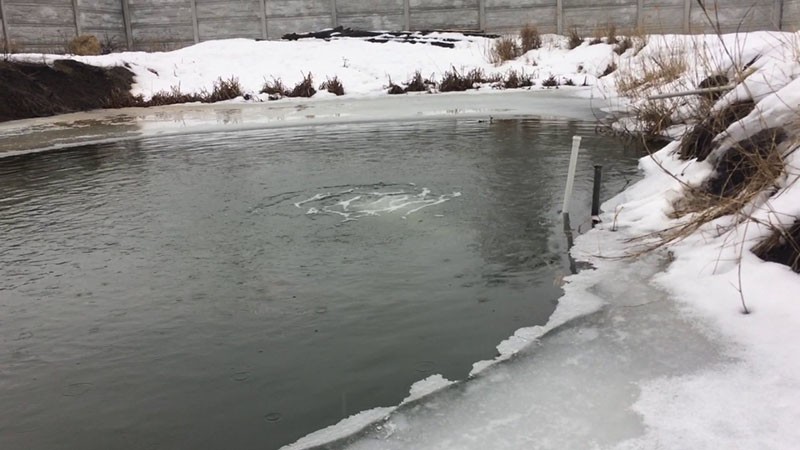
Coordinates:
[47,25]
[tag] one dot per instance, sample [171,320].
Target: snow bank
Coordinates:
[365,68]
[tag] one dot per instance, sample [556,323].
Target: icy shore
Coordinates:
[650,351]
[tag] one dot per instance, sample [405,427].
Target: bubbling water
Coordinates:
[363,201]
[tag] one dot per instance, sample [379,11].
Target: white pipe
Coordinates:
[573,164]
[694,92]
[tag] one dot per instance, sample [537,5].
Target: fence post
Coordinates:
[777,14]
[264,19]
[334,15]
[640,14]
[560,17]
[407,14]
[687,16]
[6,34]
[195,28]
[482,15]
[126,19]
[76,14]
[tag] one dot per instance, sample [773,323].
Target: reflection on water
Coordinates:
[215,291]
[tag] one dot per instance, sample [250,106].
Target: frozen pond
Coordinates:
[242,289]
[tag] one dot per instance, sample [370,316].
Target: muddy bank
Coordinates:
[36,90]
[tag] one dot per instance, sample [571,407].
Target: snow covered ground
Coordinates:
[364,68]
[647,352]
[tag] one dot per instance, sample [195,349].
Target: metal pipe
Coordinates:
[573,164]
[598,176]
[573,267]
[694,92]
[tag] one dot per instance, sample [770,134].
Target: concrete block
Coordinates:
[387,22]
[217,9]
[465,19]
[229,28]
[298,8]
[372,7]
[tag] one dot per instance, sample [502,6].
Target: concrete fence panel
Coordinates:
[662,16]
[297,16]
[104,19]
[221,19]
[372,15]
[40,25]
[161,24]
[508,16]
[791,15]
[47,25]
[590,16]
[732,15]
[444,14]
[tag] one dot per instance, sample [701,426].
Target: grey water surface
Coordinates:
[240,290]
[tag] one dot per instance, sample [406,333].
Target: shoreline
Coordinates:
[75,129]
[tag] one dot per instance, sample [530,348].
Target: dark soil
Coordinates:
[698,142]
[743,161]
[712,82]
[380,37]
[37,90]
[782,248]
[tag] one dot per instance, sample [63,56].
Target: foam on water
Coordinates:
[360,201]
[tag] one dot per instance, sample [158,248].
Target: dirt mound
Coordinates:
[36,90]
[700,141]
[380,37]
[782,247]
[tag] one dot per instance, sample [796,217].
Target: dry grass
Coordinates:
[660,69]
[419,84]
[749,166]
[611,34]
[109,44]
[574,38]
[332,85]
[275,89]
[171,97]
[529,38]
[550,81]
[623,45]
[8,48]
[741,174]
[223,90]
[654,116]
[453,81]
[698,143]
[503,49]
[84,45]
[394,89]
[514,80]
[305,88]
